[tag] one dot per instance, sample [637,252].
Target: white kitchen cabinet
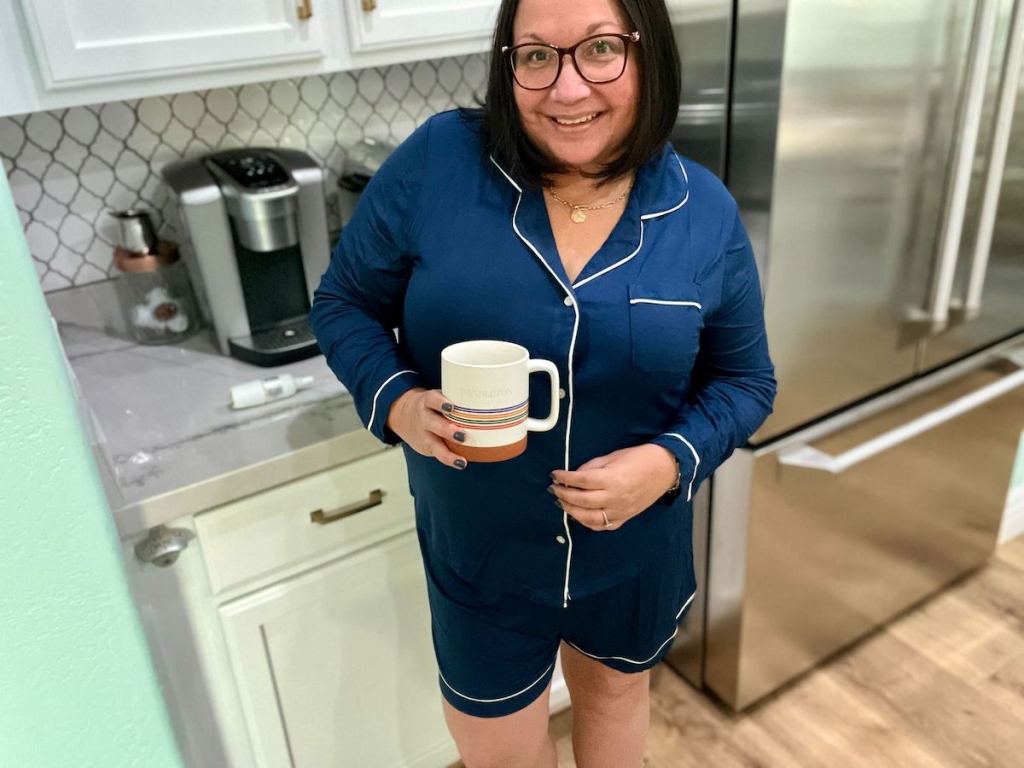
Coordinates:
[380,24]
[323,605]
[65,53]
[283,641]
[336,668]
[79,42]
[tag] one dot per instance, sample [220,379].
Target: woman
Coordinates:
[558,218]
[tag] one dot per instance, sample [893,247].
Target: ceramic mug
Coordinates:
[488,383]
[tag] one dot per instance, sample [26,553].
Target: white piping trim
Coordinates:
[501,698]
[644,661]
[666,301]
[689,490]
[510,181]
[572,347]
[373,410]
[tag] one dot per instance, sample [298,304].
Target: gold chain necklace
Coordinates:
[578,214]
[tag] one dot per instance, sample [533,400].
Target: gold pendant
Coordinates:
[578,216]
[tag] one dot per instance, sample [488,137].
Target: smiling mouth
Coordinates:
[582,120]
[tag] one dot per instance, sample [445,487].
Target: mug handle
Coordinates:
[543,425]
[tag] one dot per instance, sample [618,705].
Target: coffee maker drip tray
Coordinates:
[284,343]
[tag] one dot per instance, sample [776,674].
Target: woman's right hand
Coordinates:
[417,418]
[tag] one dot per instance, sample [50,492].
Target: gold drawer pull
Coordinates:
[369,5]
[305,9]
[320,517]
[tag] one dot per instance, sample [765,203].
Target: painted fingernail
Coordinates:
[447,407]
[460,463]
[551,490]
[460,436]
[558,503]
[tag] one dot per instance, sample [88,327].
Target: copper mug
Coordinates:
[488,384]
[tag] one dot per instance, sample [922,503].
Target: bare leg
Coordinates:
[610,712]
[519,740]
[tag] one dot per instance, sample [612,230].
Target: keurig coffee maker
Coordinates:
[255,222]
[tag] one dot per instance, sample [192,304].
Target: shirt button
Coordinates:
[567,301]
[560,539]
[561,393]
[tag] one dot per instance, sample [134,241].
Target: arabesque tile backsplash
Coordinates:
[67,167]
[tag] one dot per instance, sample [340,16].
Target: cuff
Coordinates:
[390,390]
[687,457]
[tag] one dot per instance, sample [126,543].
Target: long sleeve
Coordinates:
[734,379]
[360,297]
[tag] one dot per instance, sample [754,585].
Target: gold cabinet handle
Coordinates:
[305,9]
[320,517]
[369,5]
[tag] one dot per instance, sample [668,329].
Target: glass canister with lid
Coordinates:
[153,286]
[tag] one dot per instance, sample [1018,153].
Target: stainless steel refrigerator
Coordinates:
[877,153]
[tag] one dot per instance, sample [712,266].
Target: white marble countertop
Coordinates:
[167,442]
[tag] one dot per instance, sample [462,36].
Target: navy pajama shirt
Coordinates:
[660,339]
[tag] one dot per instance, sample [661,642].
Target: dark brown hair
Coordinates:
[657,106]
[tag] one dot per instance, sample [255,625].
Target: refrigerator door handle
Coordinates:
[935,315]
[969,307]
[808,457]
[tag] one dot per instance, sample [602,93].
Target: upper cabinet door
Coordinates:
[79,42]
[380,24]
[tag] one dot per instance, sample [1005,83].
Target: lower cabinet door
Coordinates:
[335,667]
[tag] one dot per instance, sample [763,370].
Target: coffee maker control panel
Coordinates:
[251,170]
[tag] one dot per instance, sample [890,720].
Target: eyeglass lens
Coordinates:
[599,60]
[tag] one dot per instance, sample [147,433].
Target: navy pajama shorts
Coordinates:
[496,653]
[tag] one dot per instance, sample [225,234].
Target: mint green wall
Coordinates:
[77,687]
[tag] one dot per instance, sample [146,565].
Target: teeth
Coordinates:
[585,119]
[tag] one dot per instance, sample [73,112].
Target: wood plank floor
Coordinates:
[940,686]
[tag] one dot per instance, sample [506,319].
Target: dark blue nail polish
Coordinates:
[446,407]
[460,463]
[460,436]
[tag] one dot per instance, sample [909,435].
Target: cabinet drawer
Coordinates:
[276,530]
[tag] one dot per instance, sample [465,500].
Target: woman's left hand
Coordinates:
[622,484]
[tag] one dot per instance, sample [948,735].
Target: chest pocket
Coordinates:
[665,321]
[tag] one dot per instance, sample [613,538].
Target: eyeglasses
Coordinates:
[598,59]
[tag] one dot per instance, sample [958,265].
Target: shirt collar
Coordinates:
[661,186]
